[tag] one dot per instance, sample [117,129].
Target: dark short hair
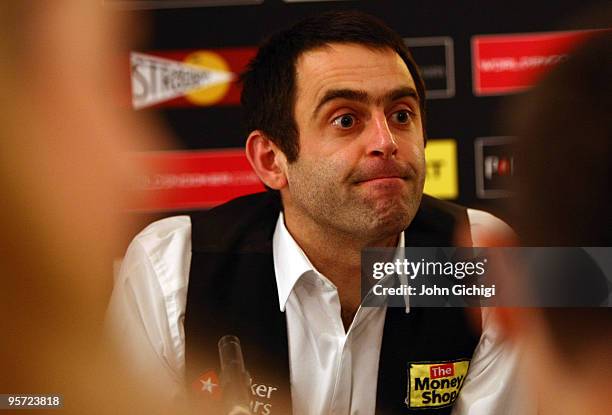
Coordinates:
[268,94]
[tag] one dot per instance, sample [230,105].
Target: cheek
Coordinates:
[420,161]
[414,153]
[308,174]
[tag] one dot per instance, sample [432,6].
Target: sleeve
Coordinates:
[145,315]
[493,385]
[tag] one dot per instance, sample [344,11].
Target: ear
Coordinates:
[267,160]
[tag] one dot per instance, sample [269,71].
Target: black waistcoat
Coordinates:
[232,290]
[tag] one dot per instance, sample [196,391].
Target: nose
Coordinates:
[381,142]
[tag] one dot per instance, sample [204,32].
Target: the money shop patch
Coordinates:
[435,384]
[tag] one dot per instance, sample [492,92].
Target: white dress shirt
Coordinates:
[332,371]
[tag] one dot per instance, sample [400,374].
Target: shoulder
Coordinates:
[163,248]
[244,207]
[489,230]
[159,234]
[471,227]
[225,226]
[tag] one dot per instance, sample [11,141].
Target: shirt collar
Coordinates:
[388,279]
[290,261]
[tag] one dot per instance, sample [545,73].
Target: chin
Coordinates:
[391,219]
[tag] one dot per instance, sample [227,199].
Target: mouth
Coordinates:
[387,173]
[394,184]
[383,179]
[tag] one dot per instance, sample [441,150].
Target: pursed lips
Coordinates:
[389,173]
[382,179]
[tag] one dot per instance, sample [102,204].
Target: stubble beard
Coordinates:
[339,207]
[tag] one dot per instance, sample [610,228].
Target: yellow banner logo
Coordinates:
[441,158]
[435,385]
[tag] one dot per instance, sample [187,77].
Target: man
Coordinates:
[335,106]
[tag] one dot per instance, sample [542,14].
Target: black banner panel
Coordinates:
[472,55]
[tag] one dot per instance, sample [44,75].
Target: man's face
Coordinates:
[361,165]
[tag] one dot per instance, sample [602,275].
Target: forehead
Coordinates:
[349,66]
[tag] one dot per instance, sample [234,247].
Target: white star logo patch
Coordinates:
[208,385]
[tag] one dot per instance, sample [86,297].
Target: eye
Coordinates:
[401,117]
[344,121]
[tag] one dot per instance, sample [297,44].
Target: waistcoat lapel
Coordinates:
[232,290]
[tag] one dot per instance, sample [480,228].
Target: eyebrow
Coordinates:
[363,97]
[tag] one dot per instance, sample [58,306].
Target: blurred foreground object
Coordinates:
[235,380]
[64,184]
[563,185]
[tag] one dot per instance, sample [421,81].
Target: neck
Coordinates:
[336,255]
